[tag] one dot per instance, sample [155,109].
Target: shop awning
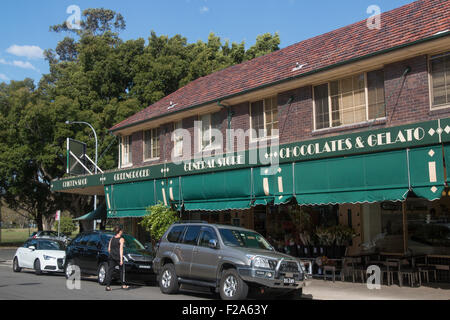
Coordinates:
[427,172]
[98,214]
[227,190]
[357,179]
[130,199]
[376,177]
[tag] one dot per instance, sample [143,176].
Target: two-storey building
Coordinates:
[352,125]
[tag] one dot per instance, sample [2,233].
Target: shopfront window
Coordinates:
[382,227]
[429,226]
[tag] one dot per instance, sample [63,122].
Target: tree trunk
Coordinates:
[39,222]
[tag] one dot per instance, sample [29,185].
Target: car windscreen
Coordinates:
[244,239]
[50,245]
[132,243]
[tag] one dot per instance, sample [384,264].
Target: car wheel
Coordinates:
[37,267]
[69,270]
[168,281]
[102,273]
[232,287]
[16,267]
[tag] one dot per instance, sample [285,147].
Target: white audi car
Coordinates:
[42,255]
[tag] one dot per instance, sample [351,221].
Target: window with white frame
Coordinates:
[209,122]
[440,80]
[350,100]
[178,139]
[264,118]
[126,151]
[151,144]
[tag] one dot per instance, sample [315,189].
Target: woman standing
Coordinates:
[115,258]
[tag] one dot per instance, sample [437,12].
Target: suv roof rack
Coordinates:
[191,221]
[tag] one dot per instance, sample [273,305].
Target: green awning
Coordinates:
[98,214]
[283,199]
[357,179]
[217,205]
[427,172]
[130,199]
[217,191]
[447,161]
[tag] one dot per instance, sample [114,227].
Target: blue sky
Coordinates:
[24,24]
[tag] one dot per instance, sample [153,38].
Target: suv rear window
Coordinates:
[175,234]
[191,235]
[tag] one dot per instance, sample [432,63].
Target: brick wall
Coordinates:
[407,101]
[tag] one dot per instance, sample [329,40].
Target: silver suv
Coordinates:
[227,259]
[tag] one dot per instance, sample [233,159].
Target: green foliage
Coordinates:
[95,77]
[67,226]
[339,235]
[158,220]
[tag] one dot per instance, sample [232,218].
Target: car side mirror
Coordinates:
[32,248]
[213,244]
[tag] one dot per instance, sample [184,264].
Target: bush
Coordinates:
[67,226]
[158,219]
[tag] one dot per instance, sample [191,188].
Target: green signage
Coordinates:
[385,139]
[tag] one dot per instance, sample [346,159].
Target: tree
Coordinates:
[95,77]
[66,226]
[158,219]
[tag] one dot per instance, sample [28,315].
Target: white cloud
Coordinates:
[19,64]
[30,52]
[24,65]
[3,77]
[204,9]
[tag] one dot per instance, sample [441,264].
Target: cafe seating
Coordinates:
[425,268]
[339,268]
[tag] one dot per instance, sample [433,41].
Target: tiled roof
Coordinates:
[402,26]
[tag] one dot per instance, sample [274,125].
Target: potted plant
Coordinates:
[344,235]
[302,220]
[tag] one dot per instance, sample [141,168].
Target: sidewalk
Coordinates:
[327,290]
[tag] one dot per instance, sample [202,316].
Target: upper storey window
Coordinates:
[440,80]
[209,122]
[151,144]
[264,118]
[126,151]
[346,101]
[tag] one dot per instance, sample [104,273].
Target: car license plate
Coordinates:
[144,267]
[288,280]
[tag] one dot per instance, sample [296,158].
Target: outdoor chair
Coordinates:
[358,269]
[410,272]
[425,269]
[340,269]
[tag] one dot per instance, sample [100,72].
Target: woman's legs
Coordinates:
[111,266]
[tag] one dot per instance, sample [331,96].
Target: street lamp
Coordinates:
[96,155]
